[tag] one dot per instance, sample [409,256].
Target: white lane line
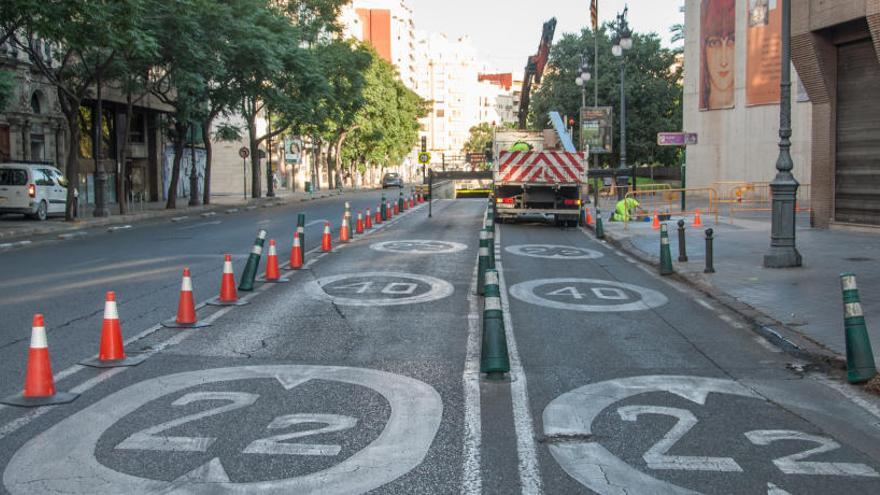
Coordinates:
[529,472]
[730,321]
[705,304]
[767,345]
[316,222]
[471,482]
[203,224]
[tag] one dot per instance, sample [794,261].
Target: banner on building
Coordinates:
[717,54]
[596,125]
[764,43]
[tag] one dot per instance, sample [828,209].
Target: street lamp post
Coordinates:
[783,253]
[582,79]
[622,42]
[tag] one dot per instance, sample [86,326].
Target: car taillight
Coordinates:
[32,190]
[572,202]
[506,201]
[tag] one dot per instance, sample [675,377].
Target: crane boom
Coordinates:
[535,70]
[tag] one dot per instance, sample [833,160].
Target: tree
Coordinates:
[653,91]
[480,138]
[7,85]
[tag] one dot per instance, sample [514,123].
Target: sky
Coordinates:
[506,32]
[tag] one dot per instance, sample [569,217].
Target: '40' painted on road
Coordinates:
[587,294]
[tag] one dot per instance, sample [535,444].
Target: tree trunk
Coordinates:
[193,170]
[179,138]
[316,144]
[123,151]
[206,139]
[256,189]
[71,113]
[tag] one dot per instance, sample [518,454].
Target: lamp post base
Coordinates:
[783,253]
[783,257]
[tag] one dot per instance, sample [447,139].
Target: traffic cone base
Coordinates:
[128,360]
[219,302]
[39,384]
[172,323]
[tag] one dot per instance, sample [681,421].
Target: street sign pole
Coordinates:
[243,152]
[430,192]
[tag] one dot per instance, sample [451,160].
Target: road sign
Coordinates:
[554,252]
[244,152]
[415,413]
[676,138]
[418,246]
[588,295]
[380,289]
[424,158]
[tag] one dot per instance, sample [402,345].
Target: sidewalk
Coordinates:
[16,229]
[796,306]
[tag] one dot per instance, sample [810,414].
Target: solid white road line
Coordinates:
[471,480]
[529,472]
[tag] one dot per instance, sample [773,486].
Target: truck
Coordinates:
[534,176]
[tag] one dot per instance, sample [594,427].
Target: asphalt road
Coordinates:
[361,374]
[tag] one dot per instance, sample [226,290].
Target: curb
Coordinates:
[789,340]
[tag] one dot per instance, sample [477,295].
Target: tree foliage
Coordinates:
[653,92]
[479,140]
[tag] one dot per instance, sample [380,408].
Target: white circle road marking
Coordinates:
[603,289]
[438,289]
[418,246]
[553,252]
[416,411]
[572,415]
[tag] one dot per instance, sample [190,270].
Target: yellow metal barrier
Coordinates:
[760,199]
[668,202]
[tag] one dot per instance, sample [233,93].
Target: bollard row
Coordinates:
[494,359]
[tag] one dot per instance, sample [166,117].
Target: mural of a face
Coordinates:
[720,66]
[718,54]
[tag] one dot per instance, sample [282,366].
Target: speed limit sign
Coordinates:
[424,158]
[244,152]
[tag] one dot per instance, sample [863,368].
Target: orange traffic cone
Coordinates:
[655,224]
[368,222]
[228,294]
[111,353]
[296,257]
[589,219]
[397,208]
[344,232]
[39,385]
[697,222]
[378,213]
[186,307]
[359,224]
[389,209]
[326,240]
[273,272]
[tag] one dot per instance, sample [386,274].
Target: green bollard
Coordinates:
[482,266]
[253,263]
[490,234]
[301,230]
[401,204]
[491,286]
[859,355]
[494,360]
[600,231]
[384,208]
[665,254]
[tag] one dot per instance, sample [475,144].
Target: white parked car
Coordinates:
[34,189]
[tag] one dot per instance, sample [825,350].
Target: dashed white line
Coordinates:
[704,304]
[849,392]
[529,472]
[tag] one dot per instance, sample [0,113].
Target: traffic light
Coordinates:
[424,144]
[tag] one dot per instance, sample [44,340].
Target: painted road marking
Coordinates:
[418,246]
[572,415]
[393,288]
[471,478]
[416,412]
[553,252]
[582,294]
[198,225]
[524,427]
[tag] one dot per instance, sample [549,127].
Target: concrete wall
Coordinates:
[740,143]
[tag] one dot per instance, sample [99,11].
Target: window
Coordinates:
[60,178]
[43,177]
[13,177]
[38,147]
[86,138]
[138,124]
[441,113]
[35,103]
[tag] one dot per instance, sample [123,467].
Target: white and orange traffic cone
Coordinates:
[228,295]
[697,222]
[111,352]
[378,213]
[326,239]
[186,307]
[273,271]
[344,231]
[368,222]
[391,210]
[359,224]
[296,257]
[39,384]
[397,208]
[655,223]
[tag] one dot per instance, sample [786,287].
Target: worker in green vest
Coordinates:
[625,210]
[520,146]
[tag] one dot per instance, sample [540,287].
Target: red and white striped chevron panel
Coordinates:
[552,167]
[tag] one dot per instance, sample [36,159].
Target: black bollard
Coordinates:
[682,249]
[709,265]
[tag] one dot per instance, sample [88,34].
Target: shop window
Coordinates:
[86,134]
[38,147]
[138,127]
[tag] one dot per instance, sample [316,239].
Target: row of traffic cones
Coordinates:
[655,222]
[39,387]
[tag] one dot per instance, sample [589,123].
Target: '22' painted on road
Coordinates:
[416,411]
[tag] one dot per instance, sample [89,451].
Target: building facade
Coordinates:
[735,112]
